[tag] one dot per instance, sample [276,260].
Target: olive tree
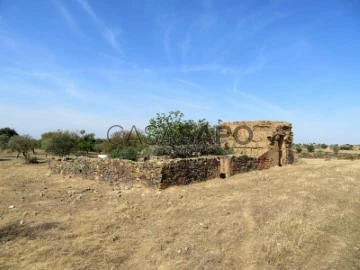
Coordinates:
[185,138]
[60,143]
[22,145]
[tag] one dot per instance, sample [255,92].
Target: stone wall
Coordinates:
[269,141]
[110,170]
[158,173]
[186,171]
[258,145]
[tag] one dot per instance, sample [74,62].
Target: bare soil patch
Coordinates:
[304,216]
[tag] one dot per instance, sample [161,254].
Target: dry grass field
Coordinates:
[305,216]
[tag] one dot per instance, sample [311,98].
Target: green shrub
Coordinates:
[336,149]
[22,145]
[60,143]
[298,149]
[320,154]
[310,148]
[124,153]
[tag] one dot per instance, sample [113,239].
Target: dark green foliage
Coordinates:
[86,142]
[310,148]
[60,143]
[298,149]
[324,146]
[22,145]
[3,141]
[9,132]
[186,138]
[346,147]
[5,135]
[336,149]
[126,152]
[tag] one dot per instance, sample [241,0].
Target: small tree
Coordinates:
[60,143]
[324,146]
[185,137]
[310,148]
[336,149]
[22,144]
[86,141]
[3,141]
[298,149]
[9,132]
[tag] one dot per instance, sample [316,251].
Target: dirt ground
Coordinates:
[304,216]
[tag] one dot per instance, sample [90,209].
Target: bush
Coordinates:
[9,132]
[323,146]
[60,143]
[22,144]
[186,138]
[298,149]
[3,141]
[346,147]
[310,148]
[124,153]
[86,142]
[336,149]
[320,154]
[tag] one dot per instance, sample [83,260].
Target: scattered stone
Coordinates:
[203,225]
[12,206]
[115,237]
[21,222]
[41,194]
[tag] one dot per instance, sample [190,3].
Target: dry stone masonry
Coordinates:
[269,144]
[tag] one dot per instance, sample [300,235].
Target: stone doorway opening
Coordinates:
[280,145]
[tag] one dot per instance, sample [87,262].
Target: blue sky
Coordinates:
[86,64]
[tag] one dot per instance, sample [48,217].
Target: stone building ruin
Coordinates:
[267,142]
[257,145]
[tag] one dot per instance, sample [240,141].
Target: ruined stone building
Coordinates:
[257,145]
[267,142]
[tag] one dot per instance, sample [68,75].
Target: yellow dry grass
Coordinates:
[305,216]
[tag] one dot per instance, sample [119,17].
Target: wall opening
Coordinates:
[280,145]
[222,175]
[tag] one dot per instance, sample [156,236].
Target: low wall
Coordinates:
[110,170]
[163,173]
[186,171]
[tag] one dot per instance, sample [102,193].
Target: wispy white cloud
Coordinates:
[64,12]
[167,43]
[178,101]
[205,68]
[255,103]
[193,85]
[62,82]
[258,65]
[109,34]
[185,45]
